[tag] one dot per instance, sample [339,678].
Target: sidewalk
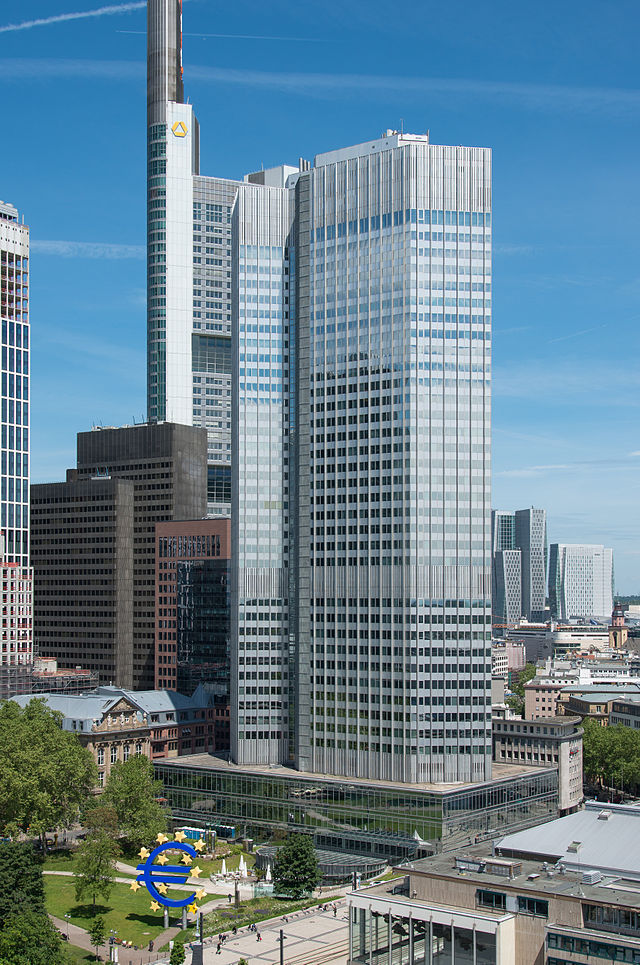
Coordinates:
[127,956]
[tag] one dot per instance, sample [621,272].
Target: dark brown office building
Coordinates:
[93,545]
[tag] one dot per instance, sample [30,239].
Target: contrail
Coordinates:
[80,15]
[307,40]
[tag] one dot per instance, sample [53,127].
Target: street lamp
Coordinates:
[68,919]
[281,940]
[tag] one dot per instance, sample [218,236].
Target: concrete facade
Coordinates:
[93,540]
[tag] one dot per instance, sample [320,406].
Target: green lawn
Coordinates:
[80,956]
[66,859]
[127,912]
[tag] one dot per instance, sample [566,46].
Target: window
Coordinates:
[100,756]
[125,752]
[114,754]
[533,906]
[491,899]
[138,748]
[100,779]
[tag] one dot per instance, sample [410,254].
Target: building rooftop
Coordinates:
[8,212]
[85,707]
[500,772]
[600,837]
[528,875]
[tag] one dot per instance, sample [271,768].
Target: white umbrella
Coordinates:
[243,866]
[267,877]
[224,867]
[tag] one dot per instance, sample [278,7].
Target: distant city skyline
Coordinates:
[555,97]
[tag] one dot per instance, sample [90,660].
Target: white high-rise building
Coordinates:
[361,461]
[580,581]
[355,341]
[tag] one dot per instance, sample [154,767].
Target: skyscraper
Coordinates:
[93,544]
[14,311]
[188,262]
[359,299]
[506,569]
[531,540]
[519,565]
[16,627]
[580,581]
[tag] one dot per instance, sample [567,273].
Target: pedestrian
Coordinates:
[229,898]
[218,949]
[259,937]
[335,911]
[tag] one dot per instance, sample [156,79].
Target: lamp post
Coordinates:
[281,940]
[68,919]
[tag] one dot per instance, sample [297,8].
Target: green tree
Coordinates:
[29,938]
[295,869]
[516,702]
[177,956]
[132,792]
[611,755]
[45,773]
[98,933]
[101,817]
[96,866]
[20,880]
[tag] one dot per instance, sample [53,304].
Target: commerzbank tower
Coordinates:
[330,325]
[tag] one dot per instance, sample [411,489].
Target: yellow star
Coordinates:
[180,836]
[144,853]
[155,906]
[196,872]
[162,859]
[200,893]
[161,838]
[162,888]
[134,886]
[193,908]
[187,859]
[199,844]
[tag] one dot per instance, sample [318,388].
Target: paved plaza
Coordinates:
[311,938]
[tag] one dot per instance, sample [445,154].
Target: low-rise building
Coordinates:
[564,892]
[542,640]
[114,728]
[626,711]
[594,701]
[557,740]
[115,723]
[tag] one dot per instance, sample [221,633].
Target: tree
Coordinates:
[29,938]
[20,880]
[45,772]
[132,792]
[516,703]
[611,755]
[96,866]
[177,956]
[98,933]
[295,868]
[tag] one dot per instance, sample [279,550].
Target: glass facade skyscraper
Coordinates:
[359,304]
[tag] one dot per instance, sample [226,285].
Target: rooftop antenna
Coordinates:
[401,125]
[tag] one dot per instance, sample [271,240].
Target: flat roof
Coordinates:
[605,837]
[533,877]
[210,762]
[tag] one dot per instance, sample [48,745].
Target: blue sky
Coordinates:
[551,87]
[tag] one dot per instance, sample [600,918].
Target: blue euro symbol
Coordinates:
[169,874]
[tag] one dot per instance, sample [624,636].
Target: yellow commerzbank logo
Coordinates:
[179,129]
